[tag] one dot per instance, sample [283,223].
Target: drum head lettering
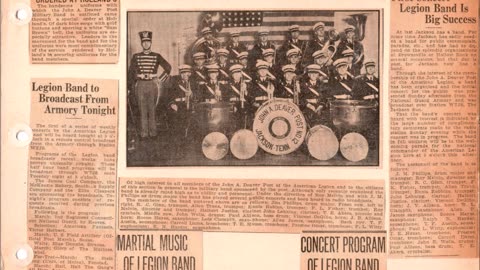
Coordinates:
[354,147]
[279,127]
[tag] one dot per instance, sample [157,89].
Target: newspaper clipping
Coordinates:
[191,135]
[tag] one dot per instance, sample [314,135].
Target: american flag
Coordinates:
[277,22]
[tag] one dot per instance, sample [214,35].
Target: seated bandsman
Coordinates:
[199,72]
[326,70]
[367,85]
[293,58]
[289,86]
[209,45]
[222,60]
[313,97]
[268,56]
[350,42]
[348,55]
[214,90]
[293,42]
[235,47]
[263,88]
[262,44]
[182,95]
[342,85]
[243,60]
[316,44]
[237,94]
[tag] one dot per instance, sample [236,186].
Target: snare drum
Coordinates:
[354,115]
[243,144]
[354,147]
[215,146]
[213,117]
[322,143]
[279,127]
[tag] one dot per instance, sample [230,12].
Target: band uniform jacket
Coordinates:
[258,95]
[178,94]
[288,90]
[312,46]
[207,91]
[365,86]
[257,52]
[146,63]
[234,49]
[223,72]
[342,85]
[234,94]
[313,103]
[199,76]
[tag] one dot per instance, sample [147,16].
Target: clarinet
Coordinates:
[243,89]
[296,92]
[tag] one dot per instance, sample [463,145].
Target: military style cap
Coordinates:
[242,55]
[185,68]
[288,68]
[234,34]
[212,68]
[369,62]
[347,52]
[268,52]
[313,68]
[206,30]
[222,51]
[261,64]
[262,32]
[199,55]
[318,25]
[292,52]
[236,68]
[145,35]
[294,28]
[340,62]
[318,54]
[349,28]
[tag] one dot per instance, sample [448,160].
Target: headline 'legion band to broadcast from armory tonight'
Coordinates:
[327,79]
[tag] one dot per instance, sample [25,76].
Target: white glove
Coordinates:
[174,107]
[311,107]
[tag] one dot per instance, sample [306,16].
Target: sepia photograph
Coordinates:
[253,88]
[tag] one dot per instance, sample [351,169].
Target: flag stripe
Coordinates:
[314,19]
[271,38]
[299,13]
[249,32]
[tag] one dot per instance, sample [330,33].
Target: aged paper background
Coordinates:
[235,251]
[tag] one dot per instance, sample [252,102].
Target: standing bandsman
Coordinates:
[342,84]
[246,72]
[263,88]
[268,57]
[313,98]
[263,43]
[237,94]
[235,47]
[293,42]
[199,72]
[318,43]
[183,95]
[222,60]
[351,70]
[209,45]
[214,89]
[350,42]
[289,86]
[367,86]
[143,78]
[327,71]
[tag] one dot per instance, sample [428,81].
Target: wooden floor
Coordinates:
[160,152]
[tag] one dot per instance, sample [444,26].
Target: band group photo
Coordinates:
[259,88]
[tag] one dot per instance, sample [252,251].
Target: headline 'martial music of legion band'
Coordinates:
[327,80]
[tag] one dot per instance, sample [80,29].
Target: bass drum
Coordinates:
[354,115]
[213,117]
[354,147]
[215,146]
[243,144]
[322,143]
[279,127]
